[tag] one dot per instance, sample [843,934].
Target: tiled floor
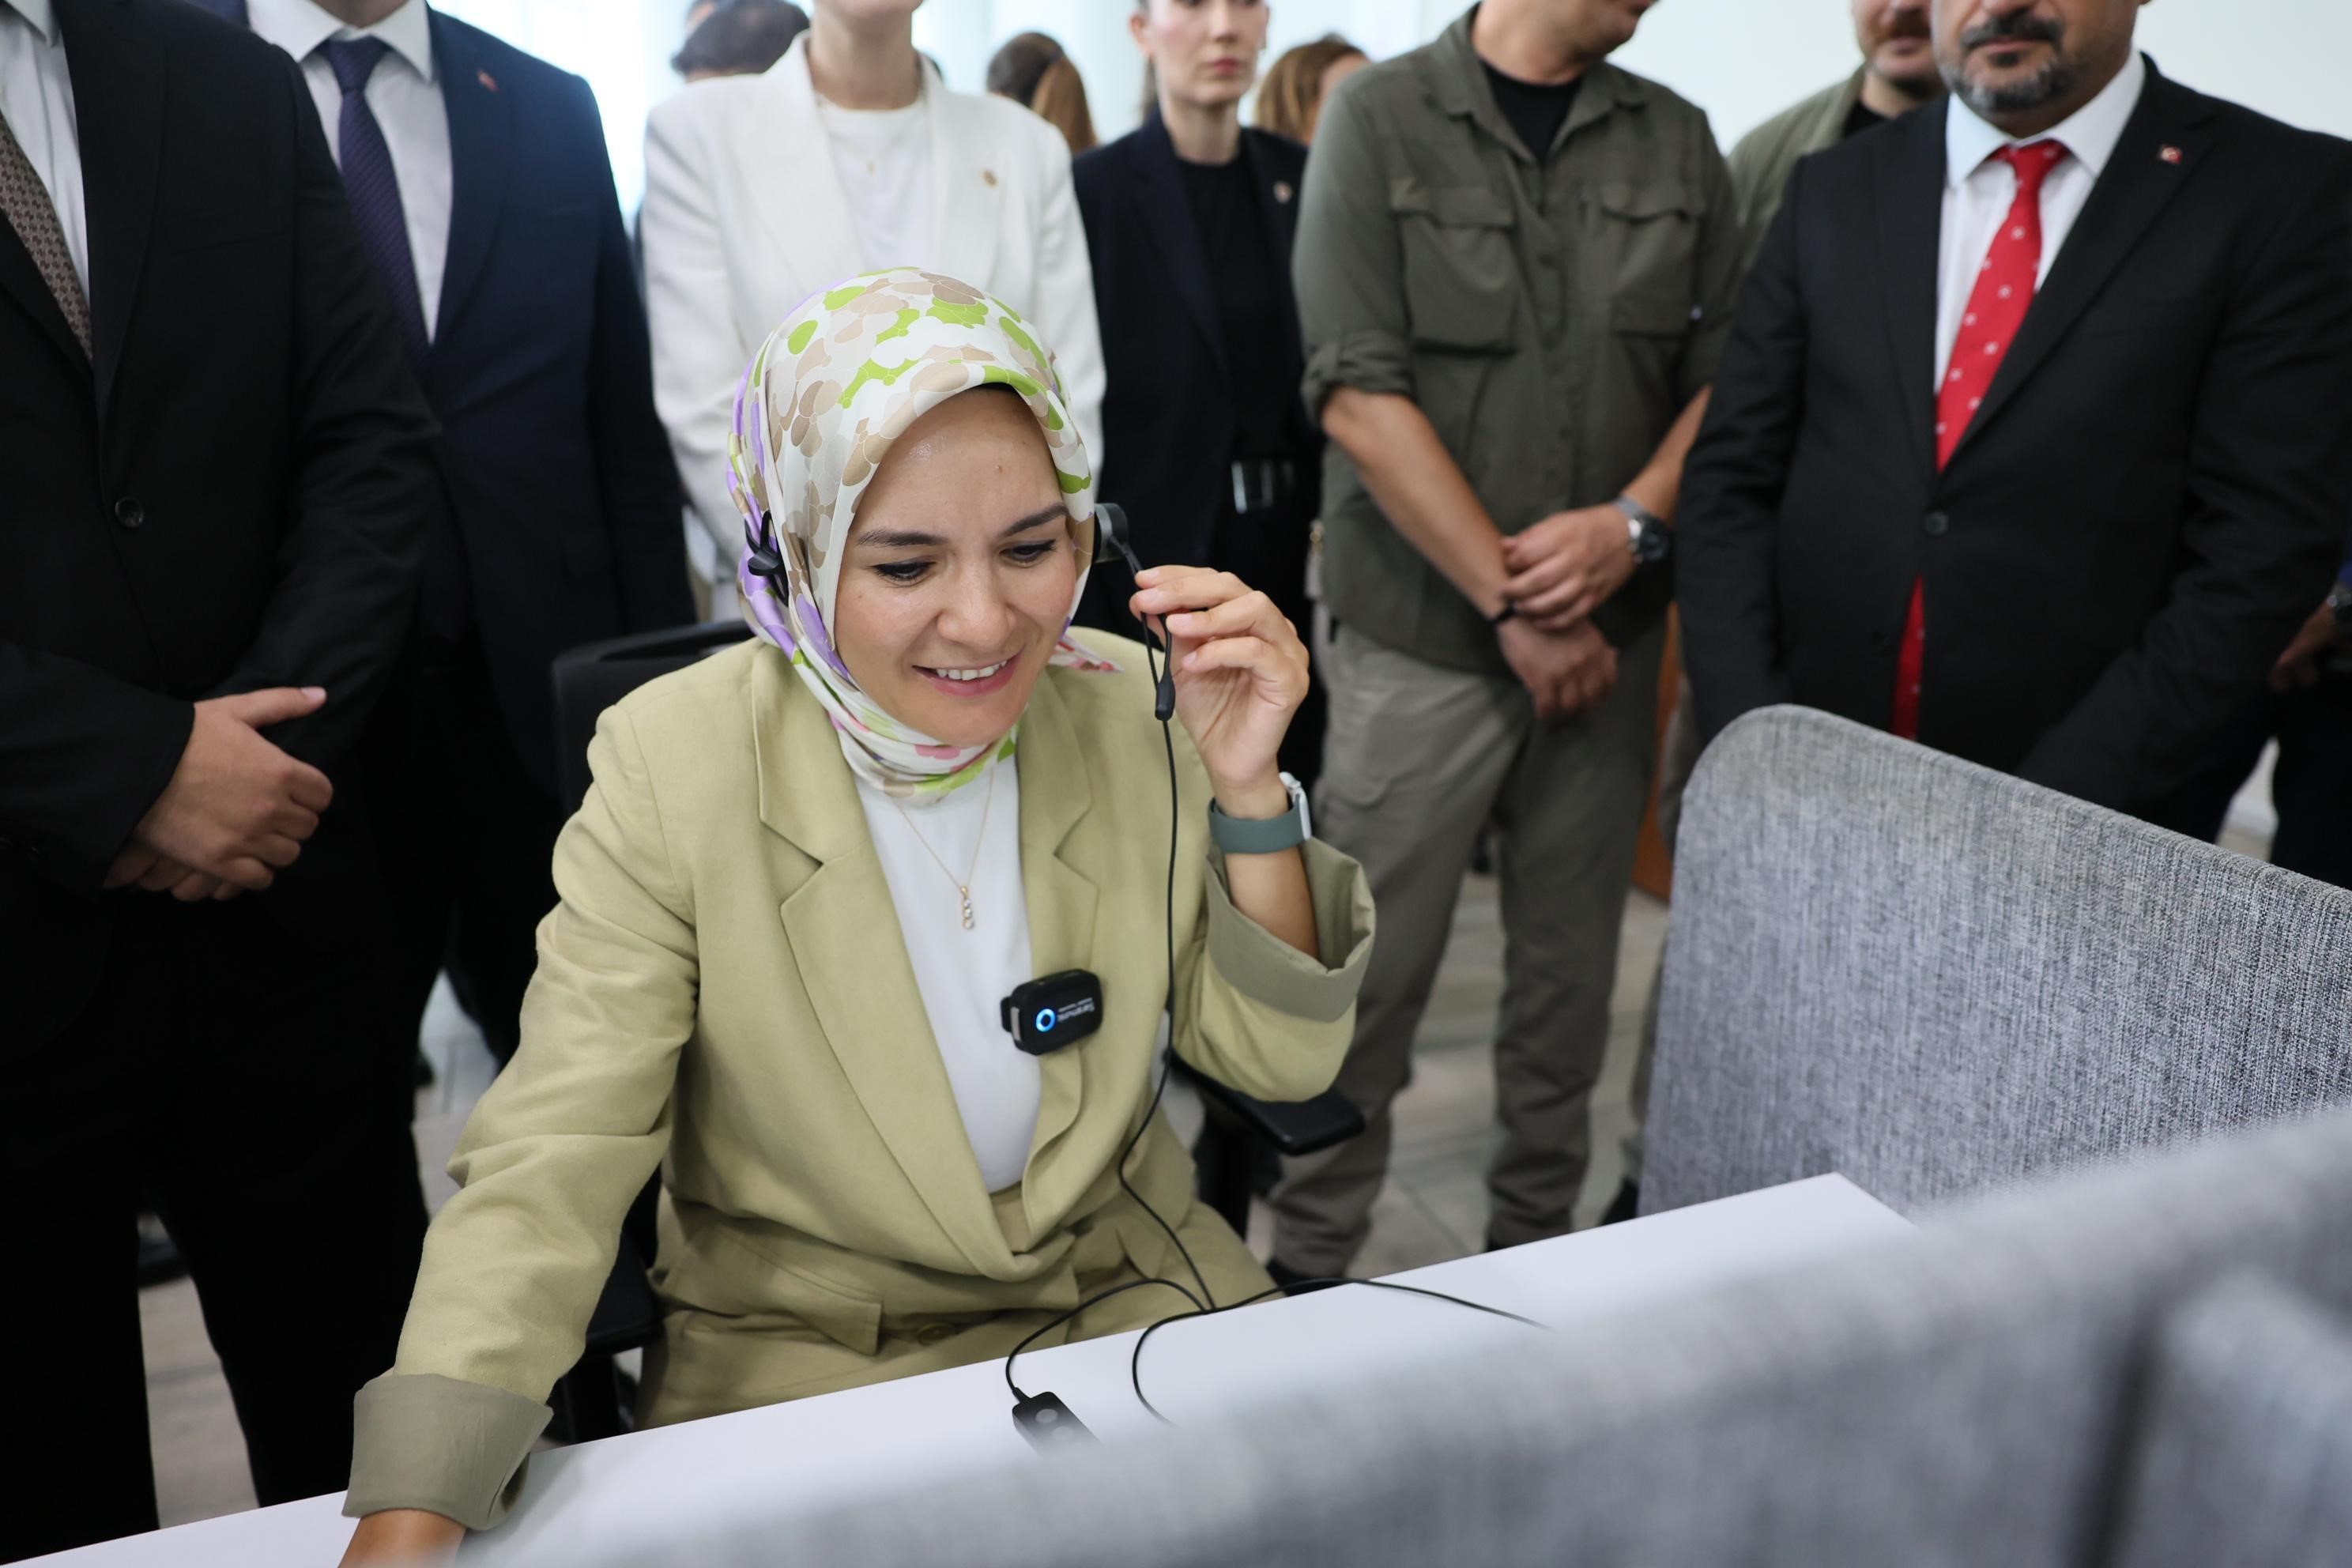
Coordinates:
[1434,1207]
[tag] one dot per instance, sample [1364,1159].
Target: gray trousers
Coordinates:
[1416,760]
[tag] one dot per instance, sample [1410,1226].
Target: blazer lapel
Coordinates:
[793,186]
[22,281]
[482,127]
[844,936]
[1056,796]
[2161,147]
[968,189]
[1175,234]
[118,72]
[1910,179]
[1277,206]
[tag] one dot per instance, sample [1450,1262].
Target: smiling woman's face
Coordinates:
[959,572]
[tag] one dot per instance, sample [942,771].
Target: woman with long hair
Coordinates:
[1034,71]
[1290,99]
[1211,450]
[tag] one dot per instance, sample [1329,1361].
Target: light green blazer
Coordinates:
[723,992]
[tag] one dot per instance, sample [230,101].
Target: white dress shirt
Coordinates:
[884,158]
[1980,189]
[963,974]
[404,95]
[36,100]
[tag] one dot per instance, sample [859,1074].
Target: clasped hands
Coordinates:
[237,810]
[1559,571]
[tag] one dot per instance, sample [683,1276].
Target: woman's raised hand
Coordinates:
[1240,674]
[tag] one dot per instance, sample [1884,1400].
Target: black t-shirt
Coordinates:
[1536,110]
[1861,118]
[1248,288]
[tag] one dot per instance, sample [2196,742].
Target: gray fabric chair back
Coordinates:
[1964,1399]
[1936,979]
[2246,1458]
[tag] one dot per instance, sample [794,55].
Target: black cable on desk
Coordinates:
[1135,1361]
[1091,1300]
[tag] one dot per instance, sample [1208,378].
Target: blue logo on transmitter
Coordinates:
[1045,1020]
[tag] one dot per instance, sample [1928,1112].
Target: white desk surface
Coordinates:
[882,1439]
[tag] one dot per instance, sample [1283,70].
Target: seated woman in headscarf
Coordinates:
[808,873]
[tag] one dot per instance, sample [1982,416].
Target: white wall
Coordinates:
[1740,59]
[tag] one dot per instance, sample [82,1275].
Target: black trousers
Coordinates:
[2311,786]
[469,839]
[246,1085]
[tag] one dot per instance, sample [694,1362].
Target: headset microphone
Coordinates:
[1111,530]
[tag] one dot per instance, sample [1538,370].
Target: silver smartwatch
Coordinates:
[1264,834]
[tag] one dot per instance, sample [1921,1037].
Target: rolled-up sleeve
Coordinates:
[454,1448]
[1263,1016]
[1348,264]
[548,1164]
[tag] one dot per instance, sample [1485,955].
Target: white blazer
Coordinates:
[745,218]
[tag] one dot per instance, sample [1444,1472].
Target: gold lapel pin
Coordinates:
[988,175]
[486,79]
[1282,191]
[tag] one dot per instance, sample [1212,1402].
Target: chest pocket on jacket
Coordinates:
[1646,255]
[1461,273]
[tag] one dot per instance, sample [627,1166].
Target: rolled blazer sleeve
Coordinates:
[557,1150]
[1258,1014]
[699,353]
[1348,264]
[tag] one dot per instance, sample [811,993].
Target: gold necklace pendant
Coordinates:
[963,888]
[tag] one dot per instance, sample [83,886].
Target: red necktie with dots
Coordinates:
[1997,307]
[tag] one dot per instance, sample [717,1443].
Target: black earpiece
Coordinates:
[1112,542]
[763,557]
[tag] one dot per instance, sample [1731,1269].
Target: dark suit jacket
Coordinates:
[559,475]
[233,496]
[2145,508]
[1168,415]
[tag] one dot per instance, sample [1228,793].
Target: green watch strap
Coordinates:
[1259,834]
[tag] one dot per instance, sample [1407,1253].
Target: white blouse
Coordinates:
[963,974]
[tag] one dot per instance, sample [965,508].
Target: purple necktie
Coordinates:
[373,190]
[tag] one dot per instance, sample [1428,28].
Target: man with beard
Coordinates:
[2035,438]
[1898,74]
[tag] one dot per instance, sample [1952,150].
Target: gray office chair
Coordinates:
[1937,979]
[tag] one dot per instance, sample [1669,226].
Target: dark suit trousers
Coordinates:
[470,840]
[2311,785]
[245,1086]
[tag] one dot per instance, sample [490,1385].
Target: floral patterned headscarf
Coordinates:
[822,403]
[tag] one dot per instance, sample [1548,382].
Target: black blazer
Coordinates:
[2147,505]
[233,496]
[1168,416]
[559,474]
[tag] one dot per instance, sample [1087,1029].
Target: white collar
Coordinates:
[40,16]
[2090,133]
[297,27]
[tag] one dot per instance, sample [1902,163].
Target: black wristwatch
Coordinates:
[1646,532]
